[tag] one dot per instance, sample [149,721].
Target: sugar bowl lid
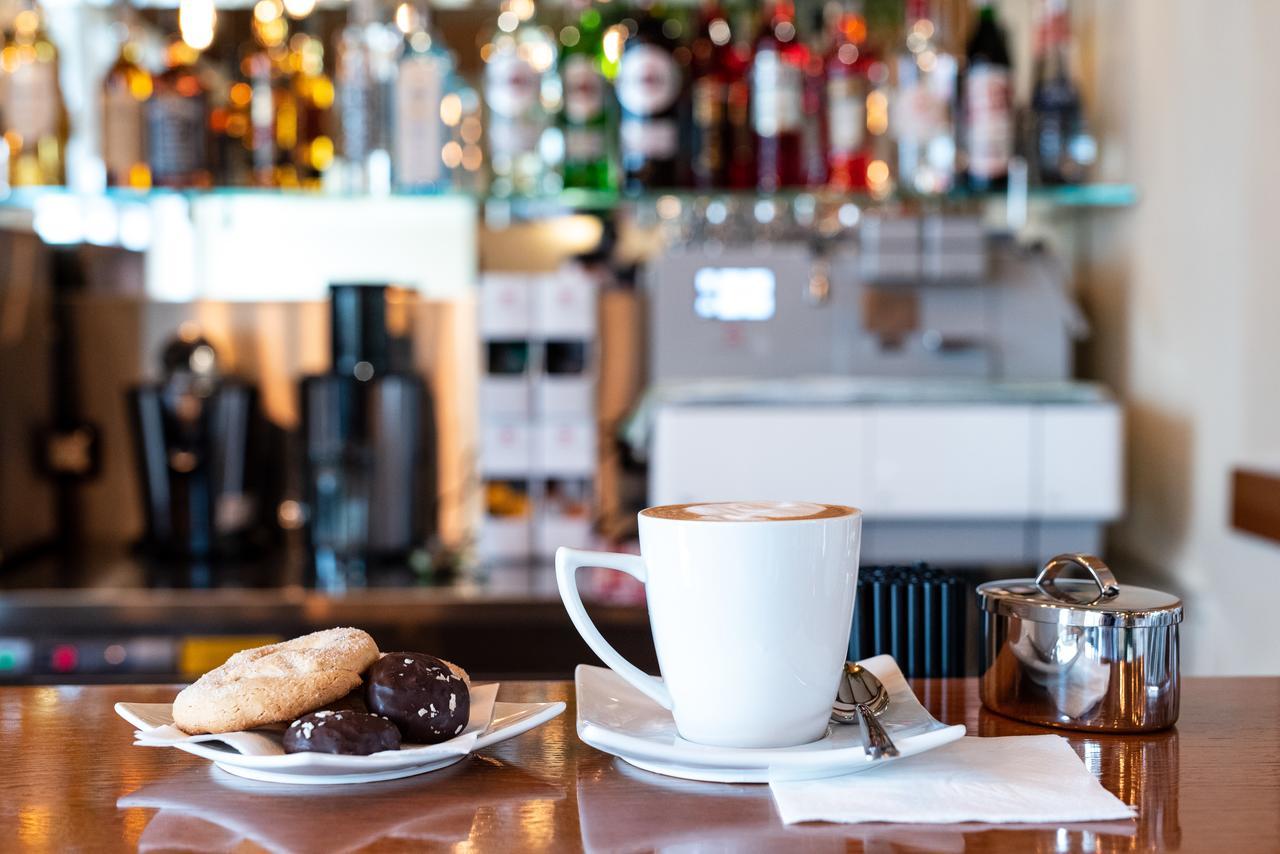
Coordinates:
[1095,601]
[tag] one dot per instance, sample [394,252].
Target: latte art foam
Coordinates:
[748,511]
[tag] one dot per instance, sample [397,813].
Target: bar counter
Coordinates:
[74,781]
[513,626]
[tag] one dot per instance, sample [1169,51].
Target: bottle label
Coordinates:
[583,89]
[648,80]
[919,114]
[511,85]
[262,121]
[921,111]
[122,125]
[175,135]
[31,108]
[419,131]
[582,145]
[513,137]
[846,115]
[261,106]
[710,102]
[355,106]
[776,91]
[653,139]
[988,120]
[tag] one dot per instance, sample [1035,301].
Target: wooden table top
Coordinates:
[73,780]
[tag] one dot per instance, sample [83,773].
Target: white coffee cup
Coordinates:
[751,604]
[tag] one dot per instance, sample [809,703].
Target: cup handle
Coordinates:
[568,562]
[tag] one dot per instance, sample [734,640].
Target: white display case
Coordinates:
[543,329]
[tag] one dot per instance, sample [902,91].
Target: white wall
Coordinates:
[1184,292]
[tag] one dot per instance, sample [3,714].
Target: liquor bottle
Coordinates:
[924,105]
[1061,147]
[650,87]
[519,81]
[987,125]
[230,133]
[424,77]
[273,111]
[125,90]
[313,94]
[34,116]
[777,81]
[364,79]
[881,157]
[848,84]
[814,131]
[177,122]
[587,117]
[742,135]
[723,147]
[463,112]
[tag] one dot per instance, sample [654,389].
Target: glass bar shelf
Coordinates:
[1103,195]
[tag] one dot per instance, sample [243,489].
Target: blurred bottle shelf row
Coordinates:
[62,216]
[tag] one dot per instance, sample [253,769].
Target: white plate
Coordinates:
[618,719]
[258,755]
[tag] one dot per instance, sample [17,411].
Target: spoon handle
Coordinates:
[875,741]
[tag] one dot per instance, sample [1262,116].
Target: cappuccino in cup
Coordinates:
[751,604]
[747,511]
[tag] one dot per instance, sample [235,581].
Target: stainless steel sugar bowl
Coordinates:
[1080,653]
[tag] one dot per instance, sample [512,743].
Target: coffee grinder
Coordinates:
[368,440]
[197,437]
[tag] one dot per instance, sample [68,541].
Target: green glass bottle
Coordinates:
[587,114]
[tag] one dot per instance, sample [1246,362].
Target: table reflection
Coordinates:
[1141,770]
[622,808]
[205,808]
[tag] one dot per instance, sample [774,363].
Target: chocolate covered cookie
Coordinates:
[421,693]
[353,733]
[352,702]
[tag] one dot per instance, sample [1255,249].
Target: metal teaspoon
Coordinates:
[861,697]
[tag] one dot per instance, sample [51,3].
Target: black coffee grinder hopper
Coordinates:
[368,449]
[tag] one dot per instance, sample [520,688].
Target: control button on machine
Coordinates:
[15,657]
[64,658]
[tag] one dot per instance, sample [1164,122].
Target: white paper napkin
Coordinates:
[1029,778]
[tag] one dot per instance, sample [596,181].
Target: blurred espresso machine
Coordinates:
[917,367]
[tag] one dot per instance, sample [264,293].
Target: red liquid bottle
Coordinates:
[859,150]
[814,133]
[777,99]
[723,148]
[850,64]
[987,108]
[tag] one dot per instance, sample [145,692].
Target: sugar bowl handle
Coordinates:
[1098,571]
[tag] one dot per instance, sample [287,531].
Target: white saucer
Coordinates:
[618,719]
[490,722]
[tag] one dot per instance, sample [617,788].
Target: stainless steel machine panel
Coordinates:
[696,294]
[768,311]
